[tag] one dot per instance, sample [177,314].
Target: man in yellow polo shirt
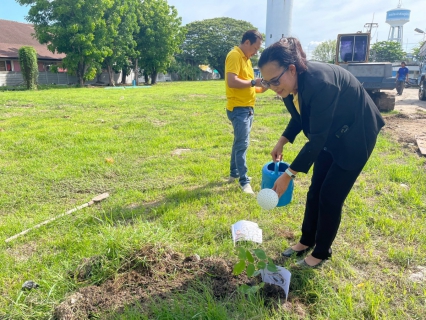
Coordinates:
[241,96]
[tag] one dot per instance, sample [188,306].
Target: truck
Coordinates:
[422,73]
[352,54]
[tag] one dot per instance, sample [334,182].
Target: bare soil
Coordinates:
[409,124]
[154,274]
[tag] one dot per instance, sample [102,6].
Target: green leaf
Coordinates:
[253,290]
[244,288]
[272,267]
[260,254]
[241,253]
[261,265]
[249,256]
[256,273]
[250,270]
[239,267]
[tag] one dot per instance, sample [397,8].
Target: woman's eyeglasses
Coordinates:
[275,83]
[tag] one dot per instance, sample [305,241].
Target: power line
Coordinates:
[370,26]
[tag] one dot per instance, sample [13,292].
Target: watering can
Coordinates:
[270,173]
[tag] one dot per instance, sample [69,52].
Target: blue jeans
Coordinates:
[242,120]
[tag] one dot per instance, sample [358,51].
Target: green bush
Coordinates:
[29,67]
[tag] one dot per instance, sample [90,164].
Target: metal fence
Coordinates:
[12,78]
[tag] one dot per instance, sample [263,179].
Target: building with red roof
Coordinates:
[13,36]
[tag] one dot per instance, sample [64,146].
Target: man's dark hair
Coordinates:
[403,62]
[252,36]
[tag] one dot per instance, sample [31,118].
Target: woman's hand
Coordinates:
[277,152]
[281,184]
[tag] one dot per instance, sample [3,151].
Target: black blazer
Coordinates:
[336,114]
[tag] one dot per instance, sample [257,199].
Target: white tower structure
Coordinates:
[396,18]
[278,20]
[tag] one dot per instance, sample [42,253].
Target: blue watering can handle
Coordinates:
[277,167]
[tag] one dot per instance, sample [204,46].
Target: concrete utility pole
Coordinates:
[278,20]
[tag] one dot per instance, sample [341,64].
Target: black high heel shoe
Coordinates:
[302,263]
[290,252]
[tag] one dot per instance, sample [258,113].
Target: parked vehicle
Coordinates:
[352,52]
[411,83]
[422,73]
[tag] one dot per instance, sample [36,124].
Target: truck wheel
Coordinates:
[422,90]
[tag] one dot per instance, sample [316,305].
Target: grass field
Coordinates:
[162,154]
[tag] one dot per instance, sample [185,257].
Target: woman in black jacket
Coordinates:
[341,123]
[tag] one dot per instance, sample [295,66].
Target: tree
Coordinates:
[122,27]
[325,51]
[159,38]
[76,28]
[416,51]
[209,41]
[386,51]
[184,70]
[29,66]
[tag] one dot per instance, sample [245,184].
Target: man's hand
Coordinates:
[237,83]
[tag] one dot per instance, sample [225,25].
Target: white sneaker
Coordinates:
[247,188]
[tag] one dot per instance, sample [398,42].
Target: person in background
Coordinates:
[401,78]
[341,123]
[241,96]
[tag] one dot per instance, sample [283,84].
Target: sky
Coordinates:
[313,21]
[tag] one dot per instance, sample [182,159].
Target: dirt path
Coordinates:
[409,125]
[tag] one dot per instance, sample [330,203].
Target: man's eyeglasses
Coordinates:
[275,83]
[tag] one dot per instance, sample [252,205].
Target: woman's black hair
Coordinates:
[285,52]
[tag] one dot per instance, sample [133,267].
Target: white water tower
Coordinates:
[278,20]
[396,18]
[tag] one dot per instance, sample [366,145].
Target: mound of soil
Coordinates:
[410,123]
[406,128]
[152,272]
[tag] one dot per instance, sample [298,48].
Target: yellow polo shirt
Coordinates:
[296,101]
[236,62]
